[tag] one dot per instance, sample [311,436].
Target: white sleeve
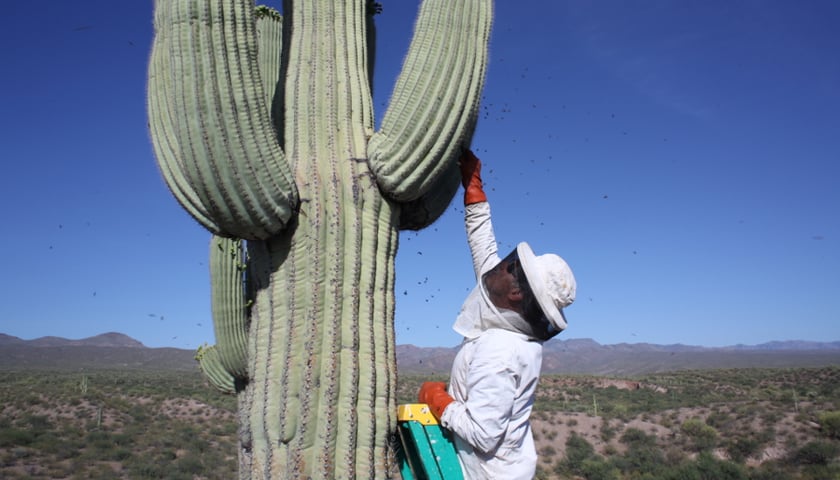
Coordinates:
[482,419]
[481,238]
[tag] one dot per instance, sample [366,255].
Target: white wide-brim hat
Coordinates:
[552,282]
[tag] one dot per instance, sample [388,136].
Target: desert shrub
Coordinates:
[770,417]
[820,472]
[227,428]
[121,453]
[147,469]
[769,471]
[635,438]
[719,420]
[189,465]
[13,437]
[607,431]
[830,424]
[674,455]
[643,455]
[747,410]
[742,447]
[96,471]
[818,452]
[711,467]
[38,423]
[577,451]
[596,468]
[548,451]
[706,467]
[61,448]
[703,437]
[542,473]
[767,435]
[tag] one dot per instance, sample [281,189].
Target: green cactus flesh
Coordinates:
[276,145]
[229,305]
[218,154]
[211,365]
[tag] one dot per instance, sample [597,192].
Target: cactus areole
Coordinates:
[263,128]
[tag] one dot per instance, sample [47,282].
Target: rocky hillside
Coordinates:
[573,356]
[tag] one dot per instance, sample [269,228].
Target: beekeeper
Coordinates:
[516,306]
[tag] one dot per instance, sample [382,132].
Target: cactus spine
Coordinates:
[277,146]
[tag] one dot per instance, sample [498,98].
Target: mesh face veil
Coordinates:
[546,278]
[531,310]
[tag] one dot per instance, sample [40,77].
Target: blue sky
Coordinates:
[682,156]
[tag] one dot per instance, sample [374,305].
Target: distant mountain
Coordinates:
[411,359]
[108,350]
[789,345]
[572,356]
[10,340]
[110,339]
[586,356]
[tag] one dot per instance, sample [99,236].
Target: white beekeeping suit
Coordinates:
[494,376]
[516,305]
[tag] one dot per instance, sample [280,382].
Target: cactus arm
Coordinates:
[422,212]
[433,109]
[211,365]
[229,304]
[209,121]
[270,49]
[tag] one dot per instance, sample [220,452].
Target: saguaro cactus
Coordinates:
[274,142]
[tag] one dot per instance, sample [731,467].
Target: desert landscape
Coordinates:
[156,417]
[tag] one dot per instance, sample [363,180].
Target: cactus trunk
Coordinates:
[288,159]
[324,287]
[320,328]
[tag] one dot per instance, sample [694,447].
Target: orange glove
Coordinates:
[434,395]
[471,178]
